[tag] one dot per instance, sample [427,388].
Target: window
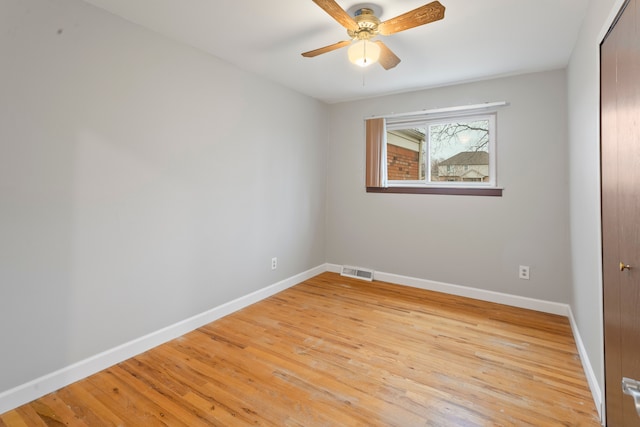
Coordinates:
[435,152]
[444,154]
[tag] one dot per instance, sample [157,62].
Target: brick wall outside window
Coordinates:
[402,163]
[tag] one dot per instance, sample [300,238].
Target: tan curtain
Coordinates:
[376,161]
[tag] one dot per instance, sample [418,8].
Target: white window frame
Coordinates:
[424,121]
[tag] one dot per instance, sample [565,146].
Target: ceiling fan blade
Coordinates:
[433,11]
[326,49]
[388,59]
[337,13]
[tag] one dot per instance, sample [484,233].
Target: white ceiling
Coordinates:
[477,39]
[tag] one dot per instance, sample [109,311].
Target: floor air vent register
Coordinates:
[357,273]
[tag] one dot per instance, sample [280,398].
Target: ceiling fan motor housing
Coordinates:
[367,25]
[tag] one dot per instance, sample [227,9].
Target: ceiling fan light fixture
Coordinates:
[364,53]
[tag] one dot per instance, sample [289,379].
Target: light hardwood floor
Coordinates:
[334,351]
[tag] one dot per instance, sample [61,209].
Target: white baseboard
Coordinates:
[475,293]
[39,387]
[465,291]
[596,392]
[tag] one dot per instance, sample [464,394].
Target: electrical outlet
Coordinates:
[274,263]
[523,272]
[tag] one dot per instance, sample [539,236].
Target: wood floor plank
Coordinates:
[87,407]
[54,412]
[15,419]
[340,351]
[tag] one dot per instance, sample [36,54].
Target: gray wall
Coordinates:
[584,144]
[141,182]
[464,240]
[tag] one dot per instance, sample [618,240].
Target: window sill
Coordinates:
[438,190]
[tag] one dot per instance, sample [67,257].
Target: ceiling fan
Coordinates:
[364,26]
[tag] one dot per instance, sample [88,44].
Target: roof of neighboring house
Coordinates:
[467,158]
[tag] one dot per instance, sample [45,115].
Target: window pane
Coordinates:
[459,151]
[406,154]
